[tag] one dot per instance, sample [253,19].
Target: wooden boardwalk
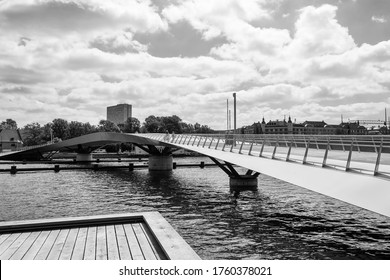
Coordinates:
[141,236]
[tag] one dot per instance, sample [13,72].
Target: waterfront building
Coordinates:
[353,128]
[118,114]
[10,139]
[307,127]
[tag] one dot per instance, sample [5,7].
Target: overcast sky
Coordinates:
[313,60]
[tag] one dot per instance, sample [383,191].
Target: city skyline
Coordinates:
[313,60]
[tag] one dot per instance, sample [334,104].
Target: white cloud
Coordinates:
[318,33]
[379,19]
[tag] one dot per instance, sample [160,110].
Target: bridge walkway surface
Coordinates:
[352,169]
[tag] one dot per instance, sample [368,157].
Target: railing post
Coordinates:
[196,136]
[306,152]
[289,151]
[189,140]
[250,149]
[204,143]
[274,152]
[224,144]
[200,139]
[216,146]
[262,148]
[357,144]
[342,143]
[347,167]
[242,143]
[234,142]
[378,159]
[211,141]
[326,154]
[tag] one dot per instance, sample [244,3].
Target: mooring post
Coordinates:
[56,168]
[131,166]
[13,169]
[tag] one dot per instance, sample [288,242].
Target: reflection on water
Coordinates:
[279,221]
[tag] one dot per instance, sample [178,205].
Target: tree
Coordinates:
[76,129]
[33,134]
[132,125]
[60,128]
[152,124]
[88,128]
[171,124]
[187,127]
[47,133]
[108,126]
[8,124]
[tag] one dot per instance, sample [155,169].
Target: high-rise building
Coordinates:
[118,114]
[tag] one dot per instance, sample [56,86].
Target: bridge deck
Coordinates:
[142,236]
[352,182]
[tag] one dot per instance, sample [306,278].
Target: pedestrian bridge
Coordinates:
[354,169]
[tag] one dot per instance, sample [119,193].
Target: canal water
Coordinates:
[279,221]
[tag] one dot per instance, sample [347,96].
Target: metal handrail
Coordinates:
[379,144]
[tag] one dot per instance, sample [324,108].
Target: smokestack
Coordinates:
[235,113]
[227,115]
[230,120]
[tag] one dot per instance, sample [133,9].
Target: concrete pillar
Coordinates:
[84,157]
[160,162]
[243,183]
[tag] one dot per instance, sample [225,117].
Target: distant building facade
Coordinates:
[307,127]
[10,139]
[118,114]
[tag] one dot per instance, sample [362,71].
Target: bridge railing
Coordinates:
[256,144]
[25,148]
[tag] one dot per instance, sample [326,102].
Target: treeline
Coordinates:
[60,129]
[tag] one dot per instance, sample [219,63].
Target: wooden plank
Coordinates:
[7,254]
[3,237]
[22,250]
[47,245]
[123,245]
[135,249]
[79,248]
[112,244]
[101,243]
[143,242]
[36,246]
[67,250]
[59,223]
[157,250]
[90,245]
[4,246]
[174,246]
[58,245]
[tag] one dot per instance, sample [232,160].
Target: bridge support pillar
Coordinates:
[160,162]
[238,182]
[243,183]
[84,157]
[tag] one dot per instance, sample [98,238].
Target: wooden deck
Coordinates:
[140,236]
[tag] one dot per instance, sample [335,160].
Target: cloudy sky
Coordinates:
[313,60]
